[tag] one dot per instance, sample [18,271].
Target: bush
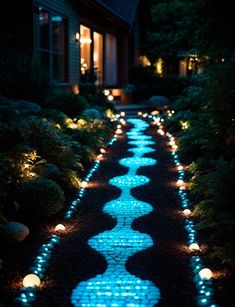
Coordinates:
[40,198]
[23,77]
[148,84]
[51,143]
[67,102]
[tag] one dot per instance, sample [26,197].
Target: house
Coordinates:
[80,40]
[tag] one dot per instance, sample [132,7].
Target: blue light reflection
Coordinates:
[116,286]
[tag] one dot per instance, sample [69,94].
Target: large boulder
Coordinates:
[158,102]
[27,108]
[13,231]
[40,197]
[46,170]
[92,114]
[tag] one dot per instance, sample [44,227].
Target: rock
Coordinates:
[158,102]
[46,170]
[92,114]
[13,231]
[27,108]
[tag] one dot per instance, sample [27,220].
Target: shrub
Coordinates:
[51,143]
[148,84]
[67,102]
[40,198]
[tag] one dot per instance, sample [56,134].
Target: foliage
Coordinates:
[22,77]
[148,84]
[173,23]
[209,145]
[69,103]
[29,139]
[40,197]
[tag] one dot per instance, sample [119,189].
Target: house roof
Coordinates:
[125,9]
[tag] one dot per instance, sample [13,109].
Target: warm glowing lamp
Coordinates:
[119,131]
[102,150]
[155,112]
[110,97]
[180,168]
[106,92]
[59,227]
[186,212]
[194,247]
[161,132]
[84,184]
[31,280]
[122,113]
[180,182]
[139,113]
[77,36]
[205,273]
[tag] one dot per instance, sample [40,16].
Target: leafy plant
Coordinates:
[69,103]
[40,197]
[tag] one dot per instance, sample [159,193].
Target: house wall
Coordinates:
[65,9]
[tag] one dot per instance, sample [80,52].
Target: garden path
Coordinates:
[127,243]
[126,247]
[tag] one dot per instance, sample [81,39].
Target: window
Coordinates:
[85,52]
[110,60]
[91,53]
[98,57]
[52,44]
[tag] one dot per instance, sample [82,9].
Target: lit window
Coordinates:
[98,57]
[85,52]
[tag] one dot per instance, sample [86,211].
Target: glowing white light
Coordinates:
[180,182]
[106,92]
[161,131]
[186,212]
[60,227]
[102,150]
[139,113]
[122,114]
[31,280]
[84,184]
[194,247]
[110,97]
[119,131]
[205,273]
[180,168]
[155,112]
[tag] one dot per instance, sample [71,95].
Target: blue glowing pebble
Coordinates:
[137,162]
[141,143]
[109,289]
[141,150]
[128,181]
[138,123]
[127,207]
[120,242]
[139,137]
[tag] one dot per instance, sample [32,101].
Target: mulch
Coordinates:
[166,263]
